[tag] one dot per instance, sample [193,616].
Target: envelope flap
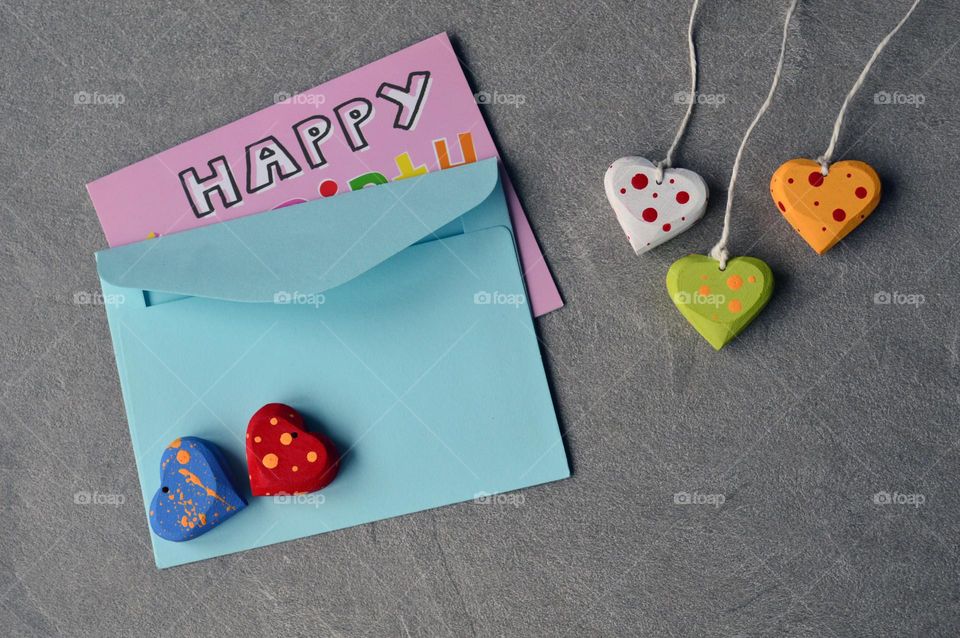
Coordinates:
[306,248]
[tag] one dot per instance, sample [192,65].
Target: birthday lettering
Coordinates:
[200,191]
[352,115]
[266,158]
[409,98]
[372,178]
[269,162]
[311,133]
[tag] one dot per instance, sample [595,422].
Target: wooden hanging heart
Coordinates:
[651,213]
[825,208]
[195,493]
[283,457]
[719,303]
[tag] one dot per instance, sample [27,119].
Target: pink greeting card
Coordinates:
[407,114]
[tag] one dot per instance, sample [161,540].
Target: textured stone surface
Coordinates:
[826,400]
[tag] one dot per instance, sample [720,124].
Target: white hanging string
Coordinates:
[824,159]
[667,162]
[719,252]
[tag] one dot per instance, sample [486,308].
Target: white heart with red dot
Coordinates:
[651,213]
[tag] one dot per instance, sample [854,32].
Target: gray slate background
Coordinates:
[825,401]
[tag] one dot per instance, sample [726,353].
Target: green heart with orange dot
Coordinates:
[719,303]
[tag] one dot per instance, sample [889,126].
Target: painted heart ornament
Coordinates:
[283,458]
[825,208]
[719,303]
[652,213]
[195,492]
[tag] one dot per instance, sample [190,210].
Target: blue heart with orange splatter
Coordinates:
[195,492]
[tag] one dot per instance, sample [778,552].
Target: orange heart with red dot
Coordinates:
[825,208]
[283,458]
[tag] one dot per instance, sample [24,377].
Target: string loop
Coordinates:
[667,162]
[825,159]
[719,251]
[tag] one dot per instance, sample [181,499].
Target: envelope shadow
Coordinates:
[505,170]
[548,369]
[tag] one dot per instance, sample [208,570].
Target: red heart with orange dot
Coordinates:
[283,458]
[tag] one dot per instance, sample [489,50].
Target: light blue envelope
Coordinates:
[393,318]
